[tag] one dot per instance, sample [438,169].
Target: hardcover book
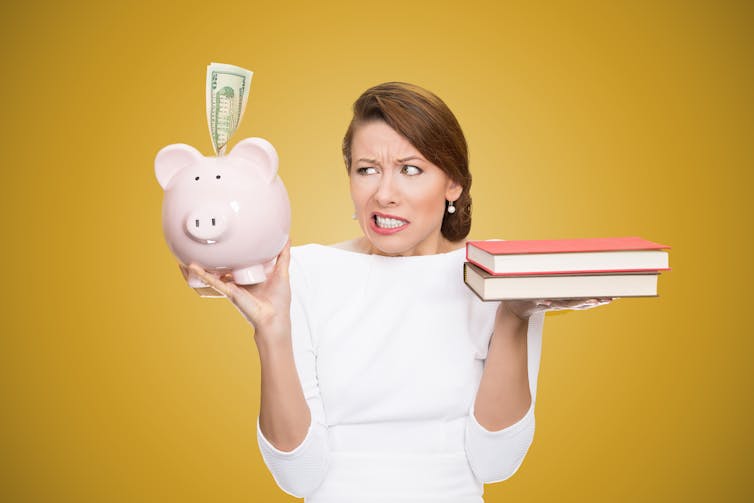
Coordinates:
[559,286]
[568,256]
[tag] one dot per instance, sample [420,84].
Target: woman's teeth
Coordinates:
[388,223]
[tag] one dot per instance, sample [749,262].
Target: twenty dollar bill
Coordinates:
[227,93]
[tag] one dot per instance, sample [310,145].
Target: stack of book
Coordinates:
[564,268]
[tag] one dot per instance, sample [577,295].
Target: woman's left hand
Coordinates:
[523,309]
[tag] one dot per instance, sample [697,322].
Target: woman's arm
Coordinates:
[291,427]
[284,416]
[500,428]
[503,396]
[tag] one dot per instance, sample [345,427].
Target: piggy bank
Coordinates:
[229,214]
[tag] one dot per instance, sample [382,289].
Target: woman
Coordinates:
[383,377]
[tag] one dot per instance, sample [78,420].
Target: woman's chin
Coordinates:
[400,242]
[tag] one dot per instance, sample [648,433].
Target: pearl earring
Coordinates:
[451,207]
[354,215]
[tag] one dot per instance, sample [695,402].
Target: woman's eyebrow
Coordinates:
[410,158]
[375,161]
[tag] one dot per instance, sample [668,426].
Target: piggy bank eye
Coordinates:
[196,178]
[218,177]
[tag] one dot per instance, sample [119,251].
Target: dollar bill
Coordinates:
[227,93]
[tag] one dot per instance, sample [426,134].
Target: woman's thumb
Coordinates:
[283,262]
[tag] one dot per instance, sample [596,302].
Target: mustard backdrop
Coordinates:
[584,119]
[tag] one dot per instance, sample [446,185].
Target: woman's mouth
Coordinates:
[383,224]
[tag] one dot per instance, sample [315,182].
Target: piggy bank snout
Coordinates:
[208,223]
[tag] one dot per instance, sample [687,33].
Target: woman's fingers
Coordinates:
[262,304]
[212,280]
[525,308]
[244,301]
[583,303]
[247,303]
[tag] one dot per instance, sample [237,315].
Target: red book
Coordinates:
[568,256]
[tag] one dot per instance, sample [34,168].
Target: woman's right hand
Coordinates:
[265,305]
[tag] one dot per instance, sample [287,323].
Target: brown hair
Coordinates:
[429,125]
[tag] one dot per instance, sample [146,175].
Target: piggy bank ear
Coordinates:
[260,152]
[173,158]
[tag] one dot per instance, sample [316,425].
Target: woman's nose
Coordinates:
[387,193]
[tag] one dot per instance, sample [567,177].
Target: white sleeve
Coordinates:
[496,455]
[300,471]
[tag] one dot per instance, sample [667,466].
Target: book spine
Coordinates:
[470,287]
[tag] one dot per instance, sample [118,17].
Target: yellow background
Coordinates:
[584,119]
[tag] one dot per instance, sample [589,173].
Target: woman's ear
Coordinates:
[453,190]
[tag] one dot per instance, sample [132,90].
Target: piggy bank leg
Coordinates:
[249,275]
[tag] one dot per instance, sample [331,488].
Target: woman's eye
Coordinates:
[366,171]
[411,170]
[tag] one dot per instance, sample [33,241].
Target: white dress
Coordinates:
[390,352]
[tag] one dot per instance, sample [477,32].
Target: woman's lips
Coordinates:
[384,224]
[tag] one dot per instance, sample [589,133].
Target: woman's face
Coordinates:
[398,195]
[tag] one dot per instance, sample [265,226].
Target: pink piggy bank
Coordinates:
[229,214]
